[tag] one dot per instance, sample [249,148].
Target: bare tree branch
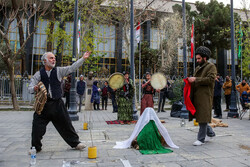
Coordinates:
[145,8]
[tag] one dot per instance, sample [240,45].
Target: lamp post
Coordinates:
[32,56]
[72,101]
[233,107]
[135,117]
[184,112]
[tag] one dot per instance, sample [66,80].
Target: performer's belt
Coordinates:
[148,93]
[52,99]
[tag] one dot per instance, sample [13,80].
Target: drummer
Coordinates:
[125,96]
[148,92]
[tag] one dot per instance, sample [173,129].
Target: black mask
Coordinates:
[243,84]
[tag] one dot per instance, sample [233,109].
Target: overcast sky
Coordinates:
[237,3]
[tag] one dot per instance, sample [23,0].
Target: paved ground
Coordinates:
[231,146]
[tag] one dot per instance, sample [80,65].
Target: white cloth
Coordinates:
[148,114]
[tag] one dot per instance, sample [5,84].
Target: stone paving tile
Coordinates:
[228,162]
[195,163]
[219,153]
[171,157]
[163,165]
[195,155]
[15,143]
[243,159]
[68,154]
[49,163]
[121,152]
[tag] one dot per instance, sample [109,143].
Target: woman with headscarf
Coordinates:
[95,98]
[125,100]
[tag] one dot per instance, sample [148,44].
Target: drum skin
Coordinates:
[116,80]
[158,81]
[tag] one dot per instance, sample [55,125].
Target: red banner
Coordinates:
[192,41]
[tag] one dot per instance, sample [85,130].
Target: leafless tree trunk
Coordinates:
[17,10]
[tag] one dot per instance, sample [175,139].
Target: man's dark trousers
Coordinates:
[104,102]
[56,112]
[114,104]
[228,101]
[217,105]
[161,101]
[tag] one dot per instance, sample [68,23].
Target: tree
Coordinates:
[93,13]
[121,14]
[211,21]
[90,13]
[171,26]
[149,58]
[19,11]
[246,40]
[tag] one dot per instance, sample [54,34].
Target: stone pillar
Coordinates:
[147,31]
[88,92]
[222,62]
[118,50]
[29,46]
[59,48]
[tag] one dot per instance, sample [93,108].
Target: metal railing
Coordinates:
[22,82]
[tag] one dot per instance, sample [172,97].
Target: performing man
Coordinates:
[148,91]
[54,109]
[202,87]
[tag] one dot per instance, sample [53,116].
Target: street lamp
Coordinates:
[184,112]
[32,56]
[72,101]
[135,117]
[233,108]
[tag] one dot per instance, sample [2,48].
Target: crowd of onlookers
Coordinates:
[243,89]
[102,94]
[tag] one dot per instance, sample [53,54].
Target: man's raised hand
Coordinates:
[86,54]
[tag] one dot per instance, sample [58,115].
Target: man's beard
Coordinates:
[202,62]
[51,65]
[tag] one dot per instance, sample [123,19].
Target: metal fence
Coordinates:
[22,82]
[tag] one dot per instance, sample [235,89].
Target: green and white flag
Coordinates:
[240,43]
[78,37]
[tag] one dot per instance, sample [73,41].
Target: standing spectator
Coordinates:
[163,94]
[105,95]
[227,87]
[243,86]
[202,93]
[80,89]
[112,96]
[95,98]
[217,96]
[66,89]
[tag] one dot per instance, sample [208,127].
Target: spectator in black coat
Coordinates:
[217,96]
[163,95]
[112,96]
[66,89]
[80,89]
[105,95]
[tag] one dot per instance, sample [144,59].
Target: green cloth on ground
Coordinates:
[149,140]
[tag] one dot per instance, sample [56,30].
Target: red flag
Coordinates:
[138,29]
[187,90]
[192,41]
